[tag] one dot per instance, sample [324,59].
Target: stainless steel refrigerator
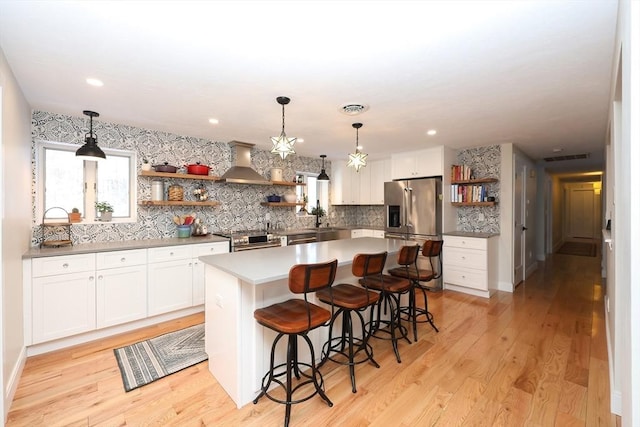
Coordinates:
[413,212]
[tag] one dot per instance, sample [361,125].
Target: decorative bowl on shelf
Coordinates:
[290,197]
[273,198]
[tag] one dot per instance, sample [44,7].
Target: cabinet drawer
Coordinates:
[209,249]
[49,266]
[470,258]
[466,277]
[169,253]
[465,242]
[121,258]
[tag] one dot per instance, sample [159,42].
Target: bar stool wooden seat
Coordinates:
[349,299]
[391,288]
[431,249]
[296,318]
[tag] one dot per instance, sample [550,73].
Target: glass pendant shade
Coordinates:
[90,149]
[323,174]
[358,159]
[282,145]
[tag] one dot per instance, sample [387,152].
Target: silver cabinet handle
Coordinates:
[65,265]
[123,259]
[100,277]
[91,278]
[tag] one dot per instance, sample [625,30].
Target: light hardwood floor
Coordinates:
[536,357]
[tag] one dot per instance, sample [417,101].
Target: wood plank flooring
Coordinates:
[536,357]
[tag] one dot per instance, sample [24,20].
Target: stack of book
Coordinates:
[468,193]
[460,173]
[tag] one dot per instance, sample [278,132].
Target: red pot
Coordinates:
[198,169]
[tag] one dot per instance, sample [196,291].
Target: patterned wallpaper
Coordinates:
[240,204]
[240,207]
[485,163]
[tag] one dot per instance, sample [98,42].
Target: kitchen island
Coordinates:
[238,283]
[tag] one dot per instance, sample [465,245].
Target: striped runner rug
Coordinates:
[149,360]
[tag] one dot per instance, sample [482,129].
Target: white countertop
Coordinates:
[268,265]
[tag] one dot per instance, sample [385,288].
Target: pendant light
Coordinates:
[282,145]
[90,149]
[357,159]
[323,174]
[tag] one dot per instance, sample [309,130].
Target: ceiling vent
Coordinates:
[570,157]
[353,109]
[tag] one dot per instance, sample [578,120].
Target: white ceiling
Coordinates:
[532,73]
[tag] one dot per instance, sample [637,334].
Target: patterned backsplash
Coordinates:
[239,208]
[484,163]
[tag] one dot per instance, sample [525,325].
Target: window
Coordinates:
[65,181]
[314,190]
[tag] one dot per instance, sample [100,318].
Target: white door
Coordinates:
[518,231]
[581,213]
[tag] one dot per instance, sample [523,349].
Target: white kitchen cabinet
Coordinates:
[63,296]
[366,187]
[170,282]
[417,164]
[121,287]
[367,233]
[345,184]
[380,173]
[470,264]
[198,266]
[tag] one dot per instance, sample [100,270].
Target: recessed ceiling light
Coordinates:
[95,82]
[214,121]
[557,150]
[431,132]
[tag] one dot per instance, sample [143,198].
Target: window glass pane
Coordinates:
[113,184]
[63,182]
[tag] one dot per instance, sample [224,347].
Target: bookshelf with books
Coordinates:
[468,190]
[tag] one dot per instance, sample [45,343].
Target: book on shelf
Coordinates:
[460,173]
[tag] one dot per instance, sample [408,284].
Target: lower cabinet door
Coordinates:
[63,305]
[169,286]
[121,295]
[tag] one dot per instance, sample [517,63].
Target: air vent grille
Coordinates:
[570,157]
[353,109]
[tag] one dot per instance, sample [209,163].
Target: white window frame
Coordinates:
[90,214]
[322,193]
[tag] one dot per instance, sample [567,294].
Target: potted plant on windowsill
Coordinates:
[105,209]
[75,215]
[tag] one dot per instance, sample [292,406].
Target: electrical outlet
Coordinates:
[480,217]
[219,301]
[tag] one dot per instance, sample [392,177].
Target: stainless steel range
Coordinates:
[251,239]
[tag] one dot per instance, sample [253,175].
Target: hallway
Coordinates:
[536,357]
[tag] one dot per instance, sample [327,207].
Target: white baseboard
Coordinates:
[505,286]
[14,379]
[530,269]
[615,395]
[470,291]
[58,344]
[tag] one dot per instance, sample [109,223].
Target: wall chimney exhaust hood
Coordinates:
[242,173]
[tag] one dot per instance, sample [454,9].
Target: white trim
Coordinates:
[106,332]
[615,396]
[90,174]
[470,291]
[14,378]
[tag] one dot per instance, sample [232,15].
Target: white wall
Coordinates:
[624,334]
[15,205]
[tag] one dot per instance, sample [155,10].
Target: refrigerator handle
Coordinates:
[408,207]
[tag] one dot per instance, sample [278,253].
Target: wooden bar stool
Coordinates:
[351,299]
[296,318]
[431,249]
[391,288]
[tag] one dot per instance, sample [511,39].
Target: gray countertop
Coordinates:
[268,265]
[84,248]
